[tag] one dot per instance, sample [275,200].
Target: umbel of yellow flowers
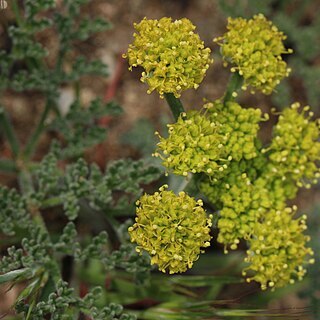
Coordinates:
[248,184]
[207,141]
[277,251]
[295,147]
[194,145]
[254,48]
[171,228]
[171,53]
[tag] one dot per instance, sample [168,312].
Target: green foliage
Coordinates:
[38,253]
[35,75]
[59,303]
[37,256]
[13,209]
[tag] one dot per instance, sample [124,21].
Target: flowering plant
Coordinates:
[66,243]
[218,149]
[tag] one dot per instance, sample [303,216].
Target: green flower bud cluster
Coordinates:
[172,55]
[254,47]
[194,145]
[171,228]
[239,125]
[278,251]
[295,148]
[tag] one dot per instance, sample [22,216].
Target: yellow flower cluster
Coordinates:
[277,250]
[241,201]
[207,141]
[172,55]
[254,47]
[194,145]
[171,228]
[295,147]
[248,185]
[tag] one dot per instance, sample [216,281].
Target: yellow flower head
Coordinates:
[171,228]
[254,48]
[172,55]
[277,250]
[295,148]
[194,145]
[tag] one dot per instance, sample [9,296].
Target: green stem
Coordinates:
[26,186]
[174,104]
[16,10]
[7,127]
[61,55]
[234,85]
[32,63]
[191,187]
[8,166]
[31,144]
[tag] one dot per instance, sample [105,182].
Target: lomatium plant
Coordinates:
[215,148]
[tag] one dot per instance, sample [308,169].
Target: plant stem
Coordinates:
[6,125]
[234,85]
[174,104]
[192,186]
[15,8]
[26,186]
[31,144]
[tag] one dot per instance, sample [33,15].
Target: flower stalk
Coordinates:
[175,105]
[31,144]
[6,126]
[233,87]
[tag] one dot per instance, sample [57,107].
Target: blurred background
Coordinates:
[132,133]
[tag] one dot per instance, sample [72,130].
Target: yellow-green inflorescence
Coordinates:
[277,252]
[251,197]
[194,144]
[238,125]
[242,201]
[172,55]
[171,228]
[207,140]
[254,48]
[295,147]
